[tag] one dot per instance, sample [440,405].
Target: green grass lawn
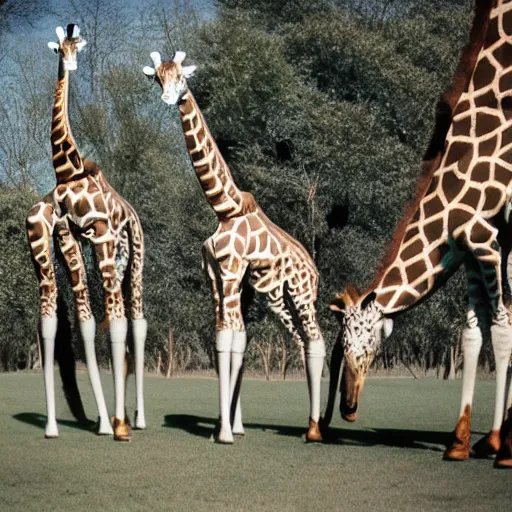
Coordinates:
[389,460]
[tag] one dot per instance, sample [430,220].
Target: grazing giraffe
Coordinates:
[83,205]
[246,241]
[458,217]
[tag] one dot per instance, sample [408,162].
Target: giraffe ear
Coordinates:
[60,34]
[386,327]
[148,71]
[53,46]
[80,45]
[188,71]
[339,305]
[179,57]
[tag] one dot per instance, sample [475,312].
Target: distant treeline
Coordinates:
[322,110]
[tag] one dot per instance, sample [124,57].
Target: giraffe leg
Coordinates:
[104,243]
[504,452]
[226,272]
[502,440]
[139,323]
[300,319]
[237,358]
[40,224]
[140,329]
[315,355]
[48,333]
[501,335]
[76,270]
[471,345]
[223,345]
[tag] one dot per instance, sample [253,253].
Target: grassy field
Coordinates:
[389,460]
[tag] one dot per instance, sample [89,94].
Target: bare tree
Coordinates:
[25,122]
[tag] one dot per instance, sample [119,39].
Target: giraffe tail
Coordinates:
[65,358]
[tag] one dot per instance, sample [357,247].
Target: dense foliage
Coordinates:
[322,109]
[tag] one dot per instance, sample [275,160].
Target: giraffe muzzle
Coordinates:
[169,99]
[348,413]
[351,386]
[70,65]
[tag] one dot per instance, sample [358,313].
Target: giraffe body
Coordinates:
[278,266]
[246,242]
[457,220]
[470,187]
[84,207]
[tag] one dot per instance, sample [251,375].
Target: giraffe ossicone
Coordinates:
[245,242]
[179,57]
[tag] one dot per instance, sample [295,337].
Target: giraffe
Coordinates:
[245,242]
[83,206]
[456,219]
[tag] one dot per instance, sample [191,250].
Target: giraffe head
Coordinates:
[70,43]
[171,76]
[363,326]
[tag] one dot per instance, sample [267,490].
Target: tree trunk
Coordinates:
[158,362]
[265,352]
[285,358]
[451,373]
[170,352]
[303,357]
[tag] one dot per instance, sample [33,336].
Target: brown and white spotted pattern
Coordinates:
[83,206]
[472,184]
[246,243]
[246,240]
[456,222]
[278,266]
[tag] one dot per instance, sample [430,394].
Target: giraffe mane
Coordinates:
[443,119]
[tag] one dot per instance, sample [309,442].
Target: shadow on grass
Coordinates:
[418,439]
[39,420]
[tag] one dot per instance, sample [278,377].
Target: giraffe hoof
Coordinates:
[503,463]
[314,434]
[103,427]
[122,430]
[51,432]
[460,449]
[457,453]
[140,421]
[503,458]
[224,436]
[493,442]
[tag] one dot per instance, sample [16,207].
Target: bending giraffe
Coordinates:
[84,206]
[246,241]
[456,218]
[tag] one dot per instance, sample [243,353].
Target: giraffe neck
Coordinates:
[66,158]
[407,283]
[471,184]
[212,171]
